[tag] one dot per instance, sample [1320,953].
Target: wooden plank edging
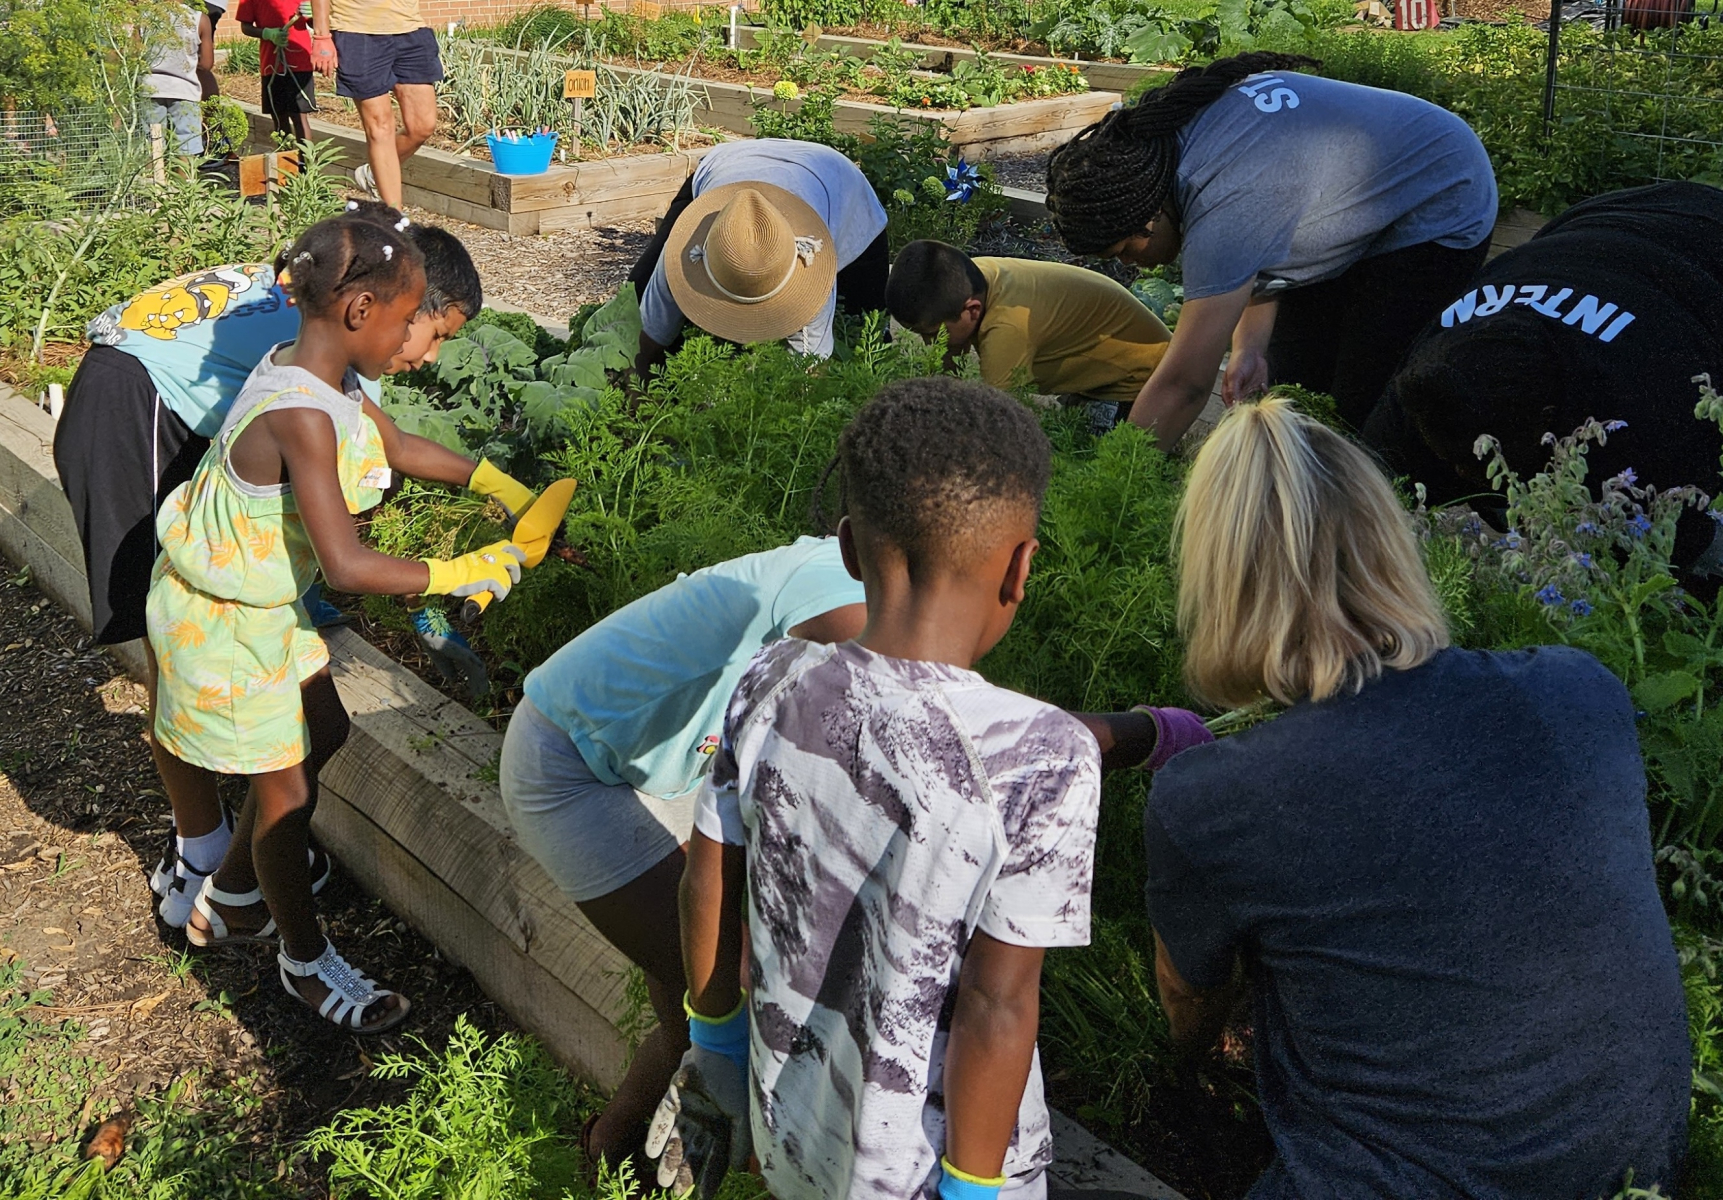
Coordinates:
[410,809]
[1105,76]
[588,194]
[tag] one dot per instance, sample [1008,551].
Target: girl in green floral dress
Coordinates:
[245,685]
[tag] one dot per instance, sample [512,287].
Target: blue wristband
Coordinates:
[956,1185]
[721,1035]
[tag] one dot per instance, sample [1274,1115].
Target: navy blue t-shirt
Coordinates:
[1442,891]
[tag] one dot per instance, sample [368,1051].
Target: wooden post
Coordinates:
[158,154]
[579,86]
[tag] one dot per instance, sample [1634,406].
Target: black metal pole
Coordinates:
[1549,70]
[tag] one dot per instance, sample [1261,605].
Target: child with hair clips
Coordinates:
[244,682]
[911,840]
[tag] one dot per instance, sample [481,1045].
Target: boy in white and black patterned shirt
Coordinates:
[914,839]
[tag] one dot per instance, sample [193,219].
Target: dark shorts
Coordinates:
[102,450]
[1346,335]
[373,64]
[294,92]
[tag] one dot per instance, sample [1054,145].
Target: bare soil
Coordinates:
[82,821]
[550,274]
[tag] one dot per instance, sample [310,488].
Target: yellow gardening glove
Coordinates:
[495,569]
[513,495]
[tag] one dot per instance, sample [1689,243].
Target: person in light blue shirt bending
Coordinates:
[603,756]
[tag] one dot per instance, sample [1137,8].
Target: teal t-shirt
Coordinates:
[200,335]
[643,692]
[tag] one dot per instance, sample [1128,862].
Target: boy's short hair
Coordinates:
[930,282]
[451,279]
[932,465]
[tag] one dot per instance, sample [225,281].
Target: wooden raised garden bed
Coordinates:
[1102,76]
[1019,128]
[409,807]
[581,195]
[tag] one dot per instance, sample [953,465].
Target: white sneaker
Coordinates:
[367,180]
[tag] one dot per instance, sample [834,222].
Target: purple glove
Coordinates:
[1176,729]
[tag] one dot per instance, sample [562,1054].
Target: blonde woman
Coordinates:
[1433,871]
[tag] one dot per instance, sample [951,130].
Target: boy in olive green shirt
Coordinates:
[1071,331]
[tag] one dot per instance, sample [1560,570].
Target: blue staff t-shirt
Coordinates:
[643,692]
[201,335]
[1443,895]
[1289,179]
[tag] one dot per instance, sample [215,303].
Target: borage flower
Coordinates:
[1580,608]
[1549,594]
[1640,525]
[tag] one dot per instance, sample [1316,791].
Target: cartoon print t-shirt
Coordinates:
[642,693]
[890,809]
[201,335]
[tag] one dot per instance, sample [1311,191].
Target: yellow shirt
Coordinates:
[1074,331]
[375,16]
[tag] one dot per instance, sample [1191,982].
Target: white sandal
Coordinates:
[222,936]
[350,992]
[183,883]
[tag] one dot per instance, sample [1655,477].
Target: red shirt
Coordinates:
[273,14]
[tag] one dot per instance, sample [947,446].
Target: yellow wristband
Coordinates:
[945,1165]
[688,1007]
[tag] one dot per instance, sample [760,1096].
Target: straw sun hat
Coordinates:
[750,262]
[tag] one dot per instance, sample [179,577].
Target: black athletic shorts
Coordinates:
[1346,335]
[290,92]
[116,481]
[372,64]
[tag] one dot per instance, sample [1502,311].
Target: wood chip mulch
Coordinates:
[82,822]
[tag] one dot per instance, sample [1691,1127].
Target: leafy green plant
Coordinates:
[487,86]
[243,58]
[485,1117]
[225,127]
[491,395]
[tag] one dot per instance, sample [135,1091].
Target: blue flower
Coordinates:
[1549,595]
[1612,426]
[1510,542]
[1627,476]
[1640,525]
[1583,560]
[961,181]
[1586,527]
[1580,608]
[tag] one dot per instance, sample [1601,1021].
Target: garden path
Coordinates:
[82,820]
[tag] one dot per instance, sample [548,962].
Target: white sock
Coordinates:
[204,854]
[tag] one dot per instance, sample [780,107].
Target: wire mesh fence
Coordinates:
[58,165]
[1646,74]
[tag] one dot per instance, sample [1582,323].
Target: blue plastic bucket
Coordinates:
[530,155]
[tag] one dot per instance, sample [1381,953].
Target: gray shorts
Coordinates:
[591,837]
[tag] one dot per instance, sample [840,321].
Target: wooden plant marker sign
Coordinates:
[649,10]
[258,173]
[579,85]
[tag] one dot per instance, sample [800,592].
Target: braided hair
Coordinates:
[342,255]
[1107,183]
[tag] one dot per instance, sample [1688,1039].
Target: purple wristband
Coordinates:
[1176,729]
